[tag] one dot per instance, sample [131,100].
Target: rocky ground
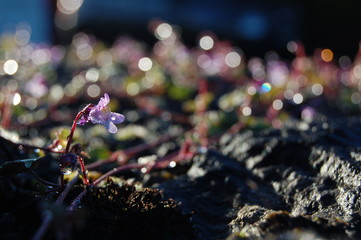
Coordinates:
[300,182]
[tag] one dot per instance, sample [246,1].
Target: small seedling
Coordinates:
[97,114]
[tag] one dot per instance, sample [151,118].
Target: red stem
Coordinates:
[116,170]
[130,152]
[161,163]
[73,127]
[165,161]
[201,108]
[6,111]
[70,140]
[85,178]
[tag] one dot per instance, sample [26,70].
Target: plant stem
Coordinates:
[76,202]
[116,170]
[36,147]
[130,152]
[49,215]
[70,140]
[200,110]
[65,192]
[44,226]
[42,180]
[165,161]
[6,111]
[85,178]
[161,163]
[73,127]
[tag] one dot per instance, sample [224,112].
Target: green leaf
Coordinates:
[179,92]
[18,166]
[99,153]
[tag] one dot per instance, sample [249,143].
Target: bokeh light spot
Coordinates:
[206,43]
[92,75]
[292,46]
[69,6]
[246,111]
[277,104]
[357,71]
[70,90]
[327,55]
[41,56]
[93,90]
[251,90]
[308,114]
[31,103]
[132,89]
[298,98]
[266,87]
[84,51]
[16,99]
[105,58]
[56,92]
[345,62]
[204,61]
[22,37]
[356,98]
[317,89]
[233,59]
[172,164]
[11,67]
[163,31]
[288,94]
[145,64]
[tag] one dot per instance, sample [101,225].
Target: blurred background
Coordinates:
[255,26]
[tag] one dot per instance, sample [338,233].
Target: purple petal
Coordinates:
[97,116]
[111,127]
[104,101]
[82,120]
[116,117]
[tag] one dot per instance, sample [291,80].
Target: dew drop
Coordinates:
[172,164]
[202,150]
[67,163]
[66,170]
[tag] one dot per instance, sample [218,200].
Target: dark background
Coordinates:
[256,26]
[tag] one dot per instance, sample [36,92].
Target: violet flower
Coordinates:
[101,114]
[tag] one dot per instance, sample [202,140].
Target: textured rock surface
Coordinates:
[302,180]
[213,189]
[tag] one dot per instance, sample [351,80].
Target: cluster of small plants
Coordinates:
[167,92]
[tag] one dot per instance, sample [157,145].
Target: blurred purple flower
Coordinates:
[101,114]
[37,86]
